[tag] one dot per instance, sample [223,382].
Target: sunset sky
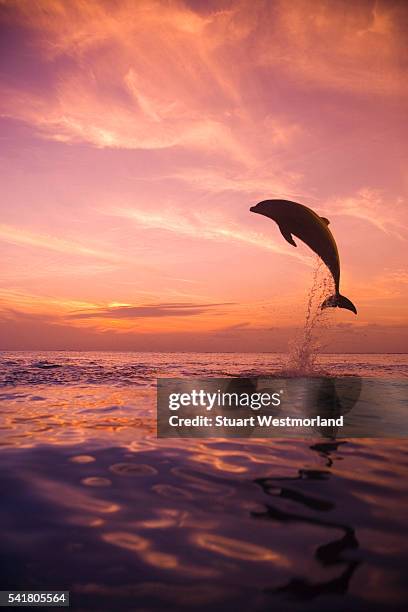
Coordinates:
[136,134]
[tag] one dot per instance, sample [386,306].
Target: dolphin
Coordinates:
[301,221]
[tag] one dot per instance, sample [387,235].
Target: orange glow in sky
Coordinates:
[136,135]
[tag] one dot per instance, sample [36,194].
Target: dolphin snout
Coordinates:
[253,209]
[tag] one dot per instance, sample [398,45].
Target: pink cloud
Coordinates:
[138,134]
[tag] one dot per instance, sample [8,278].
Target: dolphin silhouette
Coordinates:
[301,221]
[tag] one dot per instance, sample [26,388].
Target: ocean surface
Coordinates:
[93,503]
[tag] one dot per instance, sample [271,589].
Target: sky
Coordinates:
[135,136]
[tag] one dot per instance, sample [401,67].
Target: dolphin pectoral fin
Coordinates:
[287,235]
[327,222]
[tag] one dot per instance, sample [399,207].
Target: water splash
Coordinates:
[304,350]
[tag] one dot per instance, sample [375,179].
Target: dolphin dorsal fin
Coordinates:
[327,222]
[287,235]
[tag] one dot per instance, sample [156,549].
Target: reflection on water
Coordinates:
[330,554]
[267,536]
[93,502]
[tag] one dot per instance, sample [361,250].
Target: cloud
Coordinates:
[182,309]
[202,226]
[372,206]
[399,276]
[21,237]
[12,314]
[355,47]
[153,74]
[80,114]
[276,183]
[145,75]
[168,83]
[14,303]
[245,326]
[190,113]
[21,331]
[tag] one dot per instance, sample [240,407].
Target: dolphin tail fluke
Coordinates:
[339,301]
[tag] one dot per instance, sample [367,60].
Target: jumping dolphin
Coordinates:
[293,218]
